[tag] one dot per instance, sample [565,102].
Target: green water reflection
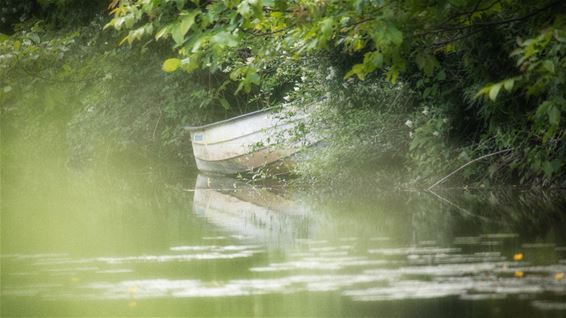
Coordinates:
[128,239]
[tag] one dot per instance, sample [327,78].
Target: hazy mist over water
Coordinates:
[131,236]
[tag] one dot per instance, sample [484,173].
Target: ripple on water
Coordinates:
[320,263]
[212,252]
[549,305]
[341,266]
[413,250]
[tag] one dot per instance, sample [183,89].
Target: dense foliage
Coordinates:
[479,76]
[489,74]
[68,80]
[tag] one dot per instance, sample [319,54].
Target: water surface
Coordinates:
[151,240]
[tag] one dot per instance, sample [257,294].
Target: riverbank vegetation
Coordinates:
[408,91]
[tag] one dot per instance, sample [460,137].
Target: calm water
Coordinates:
[133,241]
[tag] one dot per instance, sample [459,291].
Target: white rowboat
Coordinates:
[245,142]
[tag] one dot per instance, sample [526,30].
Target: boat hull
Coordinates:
[247,142]
[281,159]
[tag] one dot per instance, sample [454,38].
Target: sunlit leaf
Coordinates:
[171,65]
[244,8]
[162,33]
[494,91]
[392,75]
[358,70]
[179,30]
[508,84]
[225,39]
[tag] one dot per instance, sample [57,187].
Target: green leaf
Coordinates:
[508,84]
[179,30]
[253,77]
[395,35]
[190,64]
[225,39]
[553,115]
[326,27]
[237,73]
[129,21]
[483,91]
[426,62]
[3,37]
[548,65]
[201,41]
[224,103]
[373,60]
[542,109]
[180,4]
[494,91]
[244,8]
[359,70]
[161,33]
[35,38]
[392,75]
[171,65]
[550,167]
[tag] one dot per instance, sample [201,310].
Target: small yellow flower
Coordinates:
[519,274]
[518,257]
[559,276]
[132,289]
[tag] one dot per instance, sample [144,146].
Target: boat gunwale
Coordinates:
[218,123]
[224,121]
[290,122]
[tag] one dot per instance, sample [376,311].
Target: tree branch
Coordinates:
[268,33]
[490,23]
[467,164]
[463,36]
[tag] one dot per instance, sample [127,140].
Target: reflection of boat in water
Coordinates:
[249,211]
[245,142]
